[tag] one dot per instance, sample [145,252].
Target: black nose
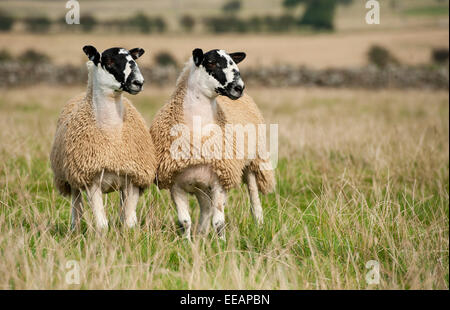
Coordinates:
[138,83]
[239,88]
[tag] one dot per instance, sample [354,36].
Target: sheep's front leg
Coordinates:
[129,200]
[180,199]
[255,203]
[204,200]
[77,209]
[219,197]
[94,194]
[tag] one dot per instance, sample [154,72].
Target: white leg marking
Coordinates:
[95,200]
[255,203]
[129,200]
[219,197]
[180,199]
[77,209]
[206,211]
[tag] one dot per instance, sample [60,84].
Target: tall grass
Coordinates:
[363,175]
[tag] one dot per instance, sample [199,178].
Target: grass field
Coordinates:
[363,175]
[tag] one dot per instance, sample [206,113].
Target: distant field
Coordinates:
[410,46]
[427,10]
[362,176]
[395,13]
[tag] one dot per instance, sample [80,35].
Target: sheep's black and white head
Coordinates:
[117,68]
[217,72]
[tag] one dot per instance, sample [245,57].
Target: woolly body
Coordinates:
[82,149]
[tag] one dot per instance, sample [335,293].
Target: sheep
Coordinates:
[208,91]
[102,143]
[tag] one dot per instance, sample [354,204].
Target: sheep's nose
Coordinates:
[138,83]
[239,88]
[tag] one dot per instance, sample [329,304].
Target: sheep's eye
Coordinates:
[211,65]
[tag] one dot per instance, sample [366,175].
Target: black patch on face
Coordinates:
[115,63]
[226,89]
[214,64]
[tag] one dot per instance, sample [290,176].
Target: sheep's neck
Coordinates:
[108,107]
[197,105]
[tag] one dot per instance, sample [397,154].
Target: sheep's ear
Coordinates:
[137,52]
[197,54]
[237,57]
[92,53]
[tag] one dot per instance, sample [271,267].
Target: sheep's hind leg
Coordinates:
[206,211]
[180,199]
[77,209]
[129,199]
[255,203]
[94,194]
[219,197]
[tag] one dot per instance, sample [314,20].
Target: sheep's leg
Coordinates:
[206,211]
[255,203]
[129,200]
[77,209]
[94,194]
[180,199]
[218,205]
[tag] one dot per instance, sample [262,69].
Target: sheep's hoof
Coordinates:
[220,230]
[259,221]
[184,230]
[131,222]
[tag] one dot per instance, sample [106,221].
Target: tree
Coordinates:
[6,21]
[38,24]
[141,22]
[187,22]
[88,22]
[165,59]
[318,14]
[160,24]
[232,7]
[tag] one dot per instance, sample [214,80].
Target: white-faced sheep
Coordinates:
[102,143]
[207,170]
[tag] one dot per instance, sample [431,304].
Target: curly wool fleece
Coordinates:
[81,149]
[229,171]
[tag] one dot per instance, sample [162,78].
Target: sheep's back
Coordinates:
[244,111]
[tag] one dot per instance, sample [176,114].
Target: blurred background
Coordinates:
[288,42]
[363,137]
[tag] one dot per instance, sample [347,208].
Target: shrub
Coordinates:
[226,24]
[165,59]
[319,14]
[141,22]
[87,22]
[5,56]
[187,22]
[232,7]
[255,24]
[380,56]
[6,21]
[160,24]
[440,55]
[38,24]
[34,57]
